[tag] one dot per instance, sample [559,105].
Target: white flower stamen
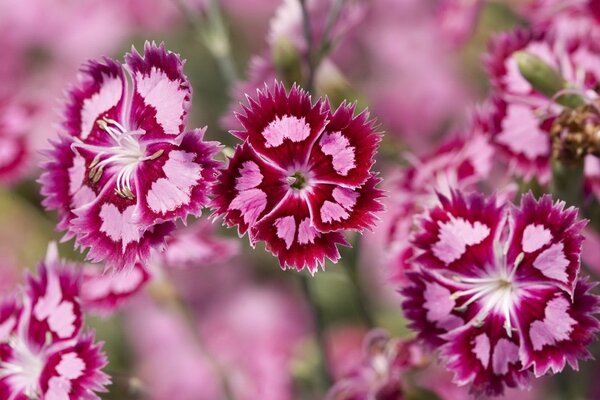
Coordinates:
[126,154]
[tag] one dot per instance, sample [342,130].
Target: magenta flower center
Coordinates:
[124,155]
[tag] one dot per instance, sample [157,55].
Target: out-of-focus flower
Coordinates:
[461,162]
[301,178]
[498,291]
[254,333]
[127,169]
[197,245]
[414,97]
[379,376]
[105,291]
[169,358]
[43,352]
[523,117]
[14,147]
[457,19]
[566,19]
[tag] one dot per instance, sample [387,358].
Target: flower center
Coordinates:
[24,369]
[126,154]
[298,180]
[497,292]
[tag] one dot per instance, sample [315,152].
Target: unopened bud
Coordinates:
[545,79]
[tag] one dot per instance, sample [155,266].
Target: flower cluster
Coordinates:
[497,289]
[44,350]
[301,178]
[125,169]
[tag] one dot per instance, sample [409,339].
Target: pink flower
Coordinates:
[379,376]
[496,289]
[522,117]
[43,351]
[461,162]
[457,19]
[14,148]
[126,169]
[169,358]
[103,292]
[254,334]
[196,246]
[301,178]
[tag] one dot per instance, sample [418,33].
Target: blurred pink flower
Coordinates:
[198,245]
[253,333]
[169,358]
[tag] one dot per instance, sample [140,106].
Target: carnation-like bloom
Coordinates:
[44,352]
[301,178]
[497,289]
[462,162]
[126,170]
[522,117]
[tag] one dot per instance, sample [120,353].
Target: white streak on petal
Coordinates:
[106,98]
[119,227]
[58,389]
[337,145]
[251,203]
[62,320]
[482,349]
[522,135]
[306,233]
[165,96]
[70,366]
[181,174]
[455,235]
[6,328]
[438,302]
[535,237]
[553,263]
[286,229]
[250,176]
[345,197]
[332,212]
[293,128]
[556,326]
[505,353]
[76,174]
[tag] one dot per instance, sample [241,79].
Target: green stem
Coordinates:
[567,182]
[310,56]
[319,324]
[351,269]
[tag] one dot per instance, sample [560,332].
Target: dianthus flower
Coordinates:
[126,170]
[44,352]
[301,178]
[497,289]
[523,117]
[461,162]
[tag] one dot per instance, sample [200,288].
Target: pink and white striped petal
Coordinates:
[283,127]
[162,94]
[289,234]
[336,208]
[344,153]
